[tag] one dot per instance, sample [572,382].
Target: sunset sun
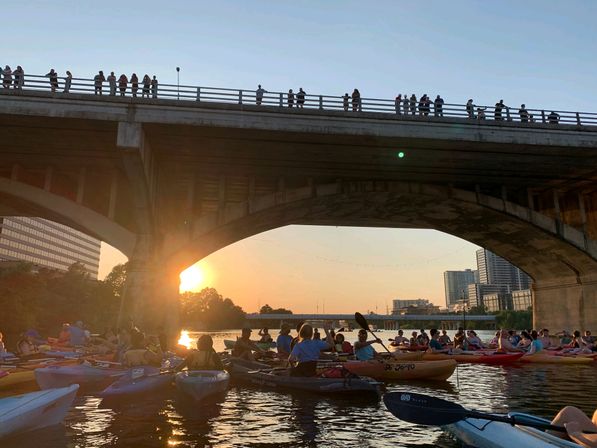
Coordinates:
[192,279]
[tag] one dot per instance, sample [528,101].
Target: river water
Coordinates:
[251,417]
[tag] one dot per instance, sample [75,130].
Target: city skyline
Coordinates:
[523,53]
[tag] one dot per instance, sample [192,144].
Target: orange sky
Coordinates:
[336,269]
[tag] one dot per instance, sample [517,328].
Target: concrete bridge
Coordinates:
[168,182]
[385,321]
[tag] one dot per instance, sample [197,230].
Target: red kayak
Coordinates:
[492,358]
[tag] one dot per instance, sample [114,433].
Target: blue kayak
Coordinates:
[138,380]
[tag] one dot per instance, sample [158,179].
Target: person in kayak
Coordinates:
[474,342]
[400,339]
[140,355]
[504,344]
[343,346]
[536,344]
[460,341]
[265,336]
[444,339]
[577,425]
[434,345]
[26,345]
[362,348]
[545,339]
[283,341]
[244,347]
[296,338]
[306,352]
[204,358]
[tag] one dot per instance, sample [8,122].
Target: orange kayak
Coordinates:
[476,357]
[403,370]
[541,358]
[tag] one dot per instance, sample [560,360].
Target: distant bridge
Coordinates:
[388,322]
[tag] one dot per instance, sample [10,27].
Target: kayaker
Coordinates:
[362,348]
[413,339]
[283,341]
[343,346]
[307,350]
[545,338]
[474,342]
[577,344]
[444,339]
[588,339]
[140,355]
[434,345]
[63,339]
[26,345]
[2,346]
[525,340]
[204,358]
[265,336]
[296,338]
[400,339]
[244,347]
[504,344]
[423,339]
[460,341]
[536,344]
[514,338]
[77,334]
[576,423]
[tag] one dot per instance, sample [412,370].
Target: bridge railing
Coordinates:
[272,99]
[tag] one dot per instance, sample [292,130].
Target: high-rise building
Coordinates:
[477,291]
[494,270]
[48,244]
[456,285]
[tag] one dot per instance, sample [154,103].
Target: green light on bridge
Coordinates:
[400,155]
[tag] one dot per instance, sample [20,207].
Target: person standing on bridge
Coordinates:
[290,98]
[134,84]
[438,106]
[98,81]
[497,113]
[470,109]
[67,82]
[154,87]
[523,113]
[259,95]
[398,103]
[7,77]
[356,101]
[146,84]
[122,83]
[53,80]
[112,83]
[345,101]
[300,98]
[553,118]
[405,104]
[19,77]
[413,104]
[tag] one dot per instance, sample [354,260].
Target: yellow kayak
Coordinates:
[16,377]
[406,356]
[419,370]
[541,358]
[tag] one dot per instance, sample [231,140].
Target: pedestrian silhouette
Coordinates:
[398,103]
[300,98]
[98,81]
[413,104]
[356,100]
[405,104]
[19,75]
[497,113]
[438,106]
[523,113]
[146,85]
[134,84]
[480,113]
[112,83]
[345,101]
[68,81]
[553,118]
[53,80]
[259,95]
[290,98]
[122,83]
[6,77]
[470,109]
[154,87]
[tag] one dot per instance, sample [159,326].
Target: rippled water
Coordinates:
[250,417]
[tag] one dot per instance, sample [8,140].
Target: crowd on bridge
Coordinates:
[147,87]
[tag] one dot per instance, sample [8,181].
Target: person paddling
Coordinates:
[362,348]
[244,347]
[306,352]
[434,345]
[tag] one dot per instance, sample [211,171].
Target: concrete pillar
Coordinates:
[568,305]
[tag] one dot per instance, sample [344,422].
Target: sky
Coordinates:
[534,52]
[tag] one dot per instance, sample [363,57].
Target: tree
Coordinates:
[209,310]
[266,309]
[116,279]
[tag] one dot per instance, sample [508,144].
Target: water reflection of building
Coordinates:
[47,244]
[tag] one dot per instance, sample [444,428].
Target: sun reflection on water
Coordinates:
[185,340]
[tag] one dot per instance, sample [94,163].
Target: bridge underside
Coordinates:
[168,186]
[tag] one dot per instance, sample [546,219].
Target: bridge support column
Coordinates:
[571,306]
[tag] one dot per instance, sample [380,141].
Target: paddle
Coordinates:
[426,410]
[363,324]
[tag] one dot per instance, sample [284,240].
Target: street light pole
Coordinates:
[178,82]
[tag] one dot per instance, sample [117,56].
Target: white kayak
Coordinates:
[35,410]
[201,384]
[483,433]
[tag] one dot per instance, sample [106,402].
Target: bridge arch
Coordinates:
[22,199]
[561,260]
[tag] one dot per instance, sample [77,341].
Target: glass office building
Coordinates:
[456,286]
[48,244]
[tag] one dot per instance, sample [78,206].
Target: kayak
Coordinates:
[229,344]
[409,370]
[138,380]
[484,433]
[281,380]
[491,358]
[35,410]
[200,384]
[84,375]
[16,377]
[541,358]
[239,367]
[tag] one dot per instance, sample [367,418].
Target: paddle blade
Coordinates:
[361,321]
[422,409]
